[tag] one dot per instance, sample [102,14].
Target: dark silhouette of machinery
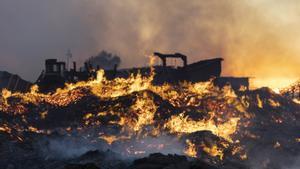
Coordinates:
[56,74]
[164,57]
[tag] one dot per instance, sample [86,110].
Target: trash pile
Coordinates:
[131,123]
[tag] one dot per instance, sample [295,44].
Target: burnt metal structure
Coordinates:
[195,72]
[56,74]
[164,57]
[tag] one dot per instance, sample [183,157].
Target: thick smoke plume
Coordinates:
[257,38]
[104,60]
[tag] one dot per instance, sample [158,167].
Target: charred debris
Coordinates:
[84,127]
[56,74]
[43,130]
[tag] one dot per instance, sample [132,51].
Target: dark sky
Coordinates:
[258,38]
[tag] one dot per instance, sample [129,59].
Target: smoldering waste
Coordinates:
[130,123]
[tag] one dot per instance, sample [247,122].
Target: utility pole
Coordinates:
[69,56]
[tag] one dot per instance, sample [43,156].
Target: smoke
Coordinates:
[268,158]
[142,147]
[72,147]
[257,38]
[104,60]
[64,147]
[295,164]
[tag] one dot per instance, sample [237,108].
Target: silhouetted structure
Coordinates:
[164,57]
[13,82]
[56,74]
[235,82]
[195,72]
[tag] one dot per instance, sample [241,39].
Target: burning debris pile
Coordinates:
[292,92]
[125,119]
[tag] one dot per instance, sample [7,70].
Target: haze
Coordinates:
[257,38]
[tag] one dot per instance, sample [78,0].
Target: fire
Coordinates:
[112,138]
[277,145]
[5,128]
[181,124]
[274,103]
[275,83]
[145,109]
[191,149]
[243,156]
[259,102]
[87,116]
[213,151]
[197,107]
[296,101]
[43,114]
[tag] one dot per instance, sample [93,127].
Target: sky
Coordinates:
[257,38]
